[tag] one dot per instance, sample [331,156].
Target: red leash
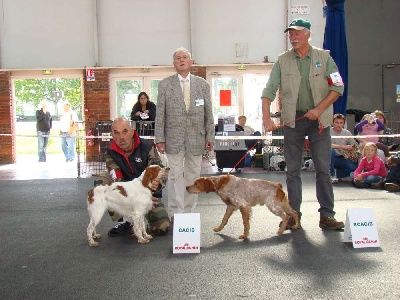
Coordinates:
[320,128]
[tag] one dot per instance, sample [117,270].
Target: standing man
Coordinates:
[184,129]
[68,126]
[43,126]
[309,84]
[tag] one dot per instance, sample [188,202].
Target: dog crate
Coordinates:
[230,153]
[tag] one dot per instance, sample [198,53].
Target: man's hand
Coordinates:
[161,148]
[155,201]
[313,114]
[268,124]
[209,146]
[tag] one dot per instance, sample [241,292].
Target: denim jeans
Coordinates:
[369,179]
[320,147]
[68,146]
[42,144]
[342,166]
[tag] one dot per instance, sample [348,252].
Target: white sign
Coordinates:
[360,228]
[300,9]
[186,237]
[90,75]
[106,136]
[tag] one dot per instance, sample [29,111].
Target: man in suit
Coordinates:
[184,129]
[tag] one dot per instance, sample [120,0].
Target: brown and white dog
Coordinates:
[242,194]
[132,199]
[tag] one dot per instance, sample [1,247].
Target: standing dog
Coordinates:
[242,194]
[132,199]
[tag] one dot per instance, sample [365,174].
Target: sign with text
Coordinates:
[90,75]
[360,228]
[300,9]
[186,237]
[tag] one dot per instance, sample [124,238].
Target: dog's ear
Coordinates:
[150,173]
[221,182]
[209,185]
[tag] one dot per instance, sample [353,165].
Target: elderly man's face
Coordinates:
[182,62]
[122,134]
[298,38]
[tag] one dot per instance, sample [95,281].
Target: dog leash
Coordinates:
[320,128]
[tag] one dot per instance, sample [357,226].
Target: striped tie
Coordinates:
[186,92]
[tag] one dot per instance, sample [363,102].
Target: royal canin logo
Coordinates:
[186,246]
[366,240]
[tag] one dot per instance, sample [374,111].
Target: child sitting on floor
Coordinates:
[371,168]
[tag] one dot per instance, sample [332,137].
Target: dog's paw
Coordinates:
[243,236]
[143,241]
[217,229]
[93,243]
[148,237]
[96,236]
[294,227]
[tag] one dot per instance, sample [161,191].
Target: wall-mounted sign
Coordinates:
[398,93]
[300,9]
[90,75]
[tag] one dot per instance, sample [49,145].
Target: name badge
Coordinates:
[336,79]
[199,102]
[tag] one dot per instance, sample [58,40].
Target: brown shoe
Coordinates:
[330,223]
[291,222]
[392,187]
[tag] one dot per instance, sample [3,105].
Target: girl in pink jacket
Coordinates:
[371,168]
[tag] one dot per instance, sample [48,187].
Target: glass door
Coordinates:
[225,83]
[125,90]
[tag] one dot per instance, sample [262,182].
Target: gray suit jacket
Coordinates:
[174,124]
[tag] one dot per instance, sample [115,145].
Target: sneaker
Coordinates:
[361,184]
[330,223]
[291,222]
[377,185]
[392,187]
[346,179]
[334,179]
[121,228]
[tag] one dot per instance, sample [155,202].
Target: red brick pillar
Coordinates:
[199,71]
[96,105]
[7,143]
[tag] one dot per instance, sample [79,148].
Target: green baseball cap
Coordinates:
[299,24]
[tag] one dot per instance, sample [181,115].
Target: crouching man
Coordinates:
[126,158]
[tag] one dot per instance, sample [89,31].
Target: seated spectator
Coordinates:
[392,181]
[388,141]
[371,125]
[371,168]
[144,110]
[341,167]
[249,131]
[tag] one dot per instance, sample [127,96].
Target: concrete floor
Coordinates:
[44,252]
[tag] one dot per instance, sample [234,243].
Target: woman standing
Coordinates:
[43,126]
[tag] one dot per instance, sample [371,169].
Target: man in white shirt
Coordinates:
[68,127]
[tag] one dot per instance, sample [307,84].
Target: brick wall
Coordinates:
[7,124]
[96,105]
[199,71]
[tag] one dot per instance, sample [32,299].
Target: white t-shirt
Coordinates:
[66,119]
